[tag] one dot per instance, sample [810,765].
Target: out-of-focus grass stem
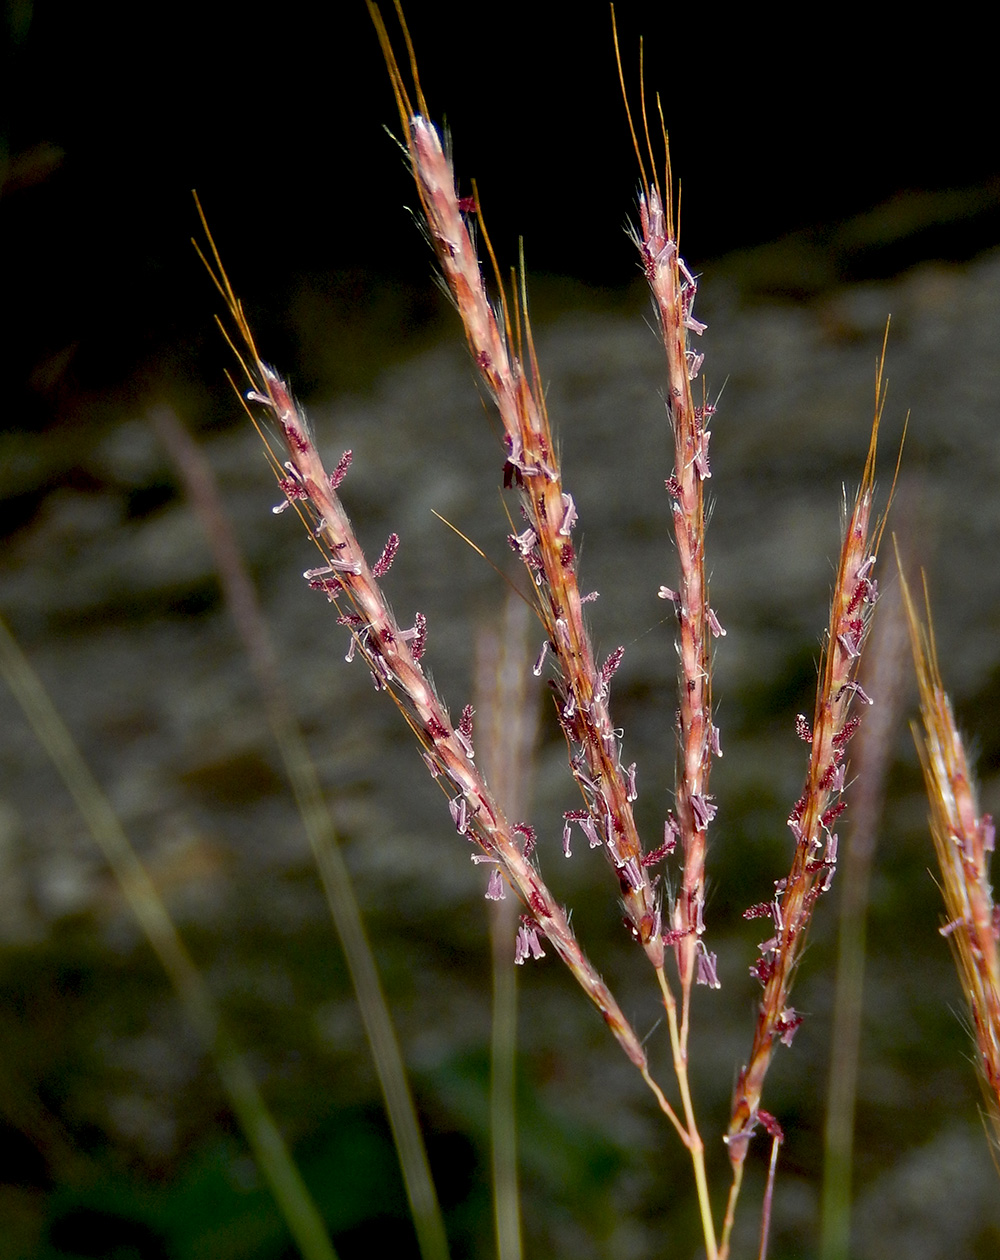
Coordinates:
[263,1136]
[338,886]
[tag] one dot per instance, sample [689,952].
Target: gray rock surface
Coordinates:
[117,612]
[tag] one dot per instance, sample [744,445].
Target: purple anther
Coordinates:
[515,460]
[496,890]
[851,643]
[562,632]
[569,516]
[694,362]
[527,943]
[432,765]
[583,780]
[524,543]
[988,831]
[682,267]
[666,592]
[701,464]
[567,837]
[630,873]
[702,809]
[590,831]
[713,741]
[459,810]
[380,671]
[708,972]
[630,792]
[857,690]
[536,669]
[335,566]
[865,568]
[694,325]
[715,625]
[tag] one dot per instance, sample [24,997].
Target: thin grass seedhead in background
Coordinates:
[507,719]
[964,841]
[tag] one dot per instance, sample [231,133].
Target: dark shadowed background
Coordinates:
[832,174]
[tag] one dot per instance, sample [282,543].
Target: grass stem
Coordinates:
[262,1134]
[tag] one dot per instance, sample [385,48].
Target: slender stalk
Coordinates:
[691,1137]
[338,887]
[730,1217]
[765,1216]
[262,1134]
[507,724]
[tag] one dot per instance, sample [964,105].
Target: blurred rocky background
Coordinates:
[823,190]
